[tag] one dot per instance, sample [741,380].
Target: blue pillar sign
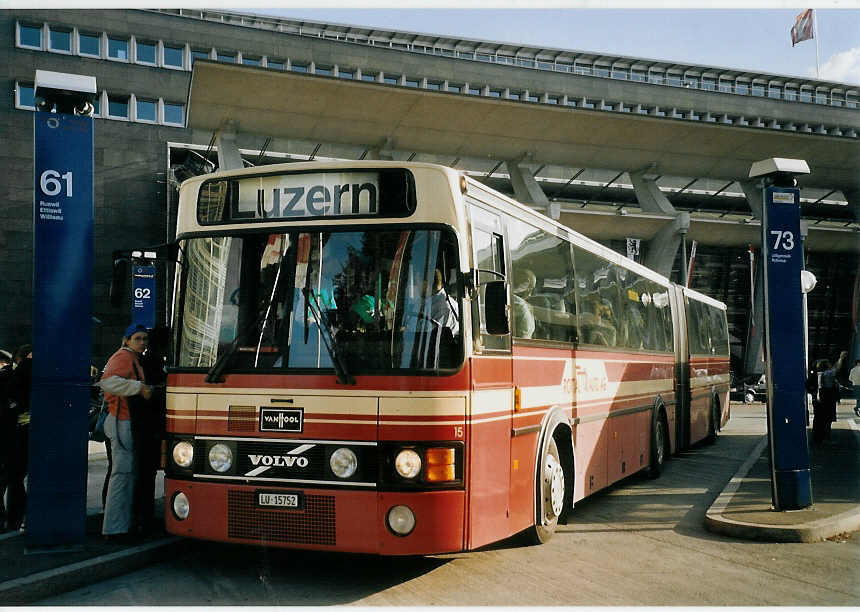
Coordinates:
[143,295]
[786,368]
[62,337]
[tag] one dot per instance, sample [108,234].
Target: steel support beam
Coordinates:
[663,247]
[649,196]
[229,157]
[752,191]
[526,188]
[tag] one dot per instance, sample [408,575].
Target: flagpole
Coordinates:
[815,35]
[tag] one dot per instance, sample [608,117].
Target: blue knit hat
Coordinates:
[135,328]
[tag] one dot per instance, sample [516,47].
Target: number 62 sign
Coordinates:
[143,295]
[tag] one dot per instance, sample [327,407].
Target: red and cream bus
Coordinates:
[392,358]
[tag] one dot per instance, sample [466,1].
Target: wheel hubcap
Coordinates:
[553,487]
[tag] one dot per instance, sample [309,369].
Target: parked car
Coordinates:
[749,389]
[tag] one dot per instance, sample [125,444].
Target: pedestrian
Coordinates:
[854,377]
[828,398]
[18,394]
[147,429]
[7,425]
[123,382]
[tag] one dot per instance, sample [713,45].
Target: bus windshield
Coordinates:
[376,300]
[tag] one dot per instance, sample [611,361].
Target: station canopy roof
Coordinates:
[329,109]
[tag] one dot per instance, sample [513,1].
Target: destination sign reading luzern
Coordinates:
[297,196]
[329,194]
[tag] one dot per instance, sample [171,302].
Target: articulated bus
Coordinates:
[392,358]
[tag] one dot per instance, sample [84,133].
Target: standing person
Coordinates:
[828,397]
[854,377]
[7,426]
[123,381]
[147,429]
[18,392]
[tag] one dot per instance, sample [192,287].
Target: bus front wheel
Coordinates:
[550,490]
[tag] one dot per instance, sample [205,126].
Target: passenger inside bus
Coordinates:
[524,320]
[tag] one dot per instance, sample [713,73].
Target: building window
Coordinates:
[390,79]
[146,110]
[197,54]
[601,71]
[174,113]
[774,92]
[551,100]
[619,73]
[174,56]
[638,75]
[673,80]
[89,44]
[757,90]
[226,57]
[30,36]
[368,76]
[25,96]
[275,64]
[455,88]
[145,52]
[299,67]
[495,93]
[475,91]
[513,95]
[531,98]
[414,83]
[118,107]
[805,96]
[252,61]
[97,106]
[742,89]
[345,74]
[326,71]
[708,84]
[60,40]
[118,48]
[434,85]
[725,86]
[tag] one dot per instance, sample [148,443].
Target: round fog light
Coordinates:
[220,458]
[343,463]
[181,507]
[401,520]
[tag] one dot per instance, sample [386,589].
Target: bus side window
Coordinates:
[489,255]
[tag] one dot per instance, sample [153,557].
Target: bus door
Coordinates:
[682,369]
[492,395]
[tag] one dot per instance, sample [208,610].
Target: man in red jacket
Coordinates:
[123,381]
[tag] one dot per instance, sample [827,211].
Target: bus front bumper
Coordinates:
[328,519]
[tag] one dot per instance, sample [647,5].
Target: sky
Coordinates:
[752,40]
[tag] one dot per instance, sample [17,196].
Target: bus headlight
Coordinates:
[181,507]
[220,458]
[343,463]
[401,520]
[183,454]
[408,463]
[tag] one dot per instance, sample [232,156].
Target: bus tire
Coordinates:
[714,427]
[659,444]
[550,492]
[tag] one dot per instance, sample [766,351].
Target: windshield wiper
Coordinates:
[343,376]
[215,372]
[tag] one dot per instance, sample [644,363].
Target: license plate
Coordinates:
[291,500]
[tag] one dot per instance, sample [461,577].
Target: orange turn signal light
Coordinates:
[440,465]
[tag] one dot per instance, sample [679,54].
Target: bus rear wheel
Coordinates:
[658,446]
[551,494]
[714,429]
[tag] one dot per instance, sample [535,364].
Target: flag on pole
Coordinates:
[802,28]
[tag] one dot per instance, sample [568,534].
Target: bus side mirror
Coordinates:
[496,308]
[118,282]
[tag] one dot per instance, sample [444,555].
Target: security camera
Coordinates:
[779,171]
[72,94]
